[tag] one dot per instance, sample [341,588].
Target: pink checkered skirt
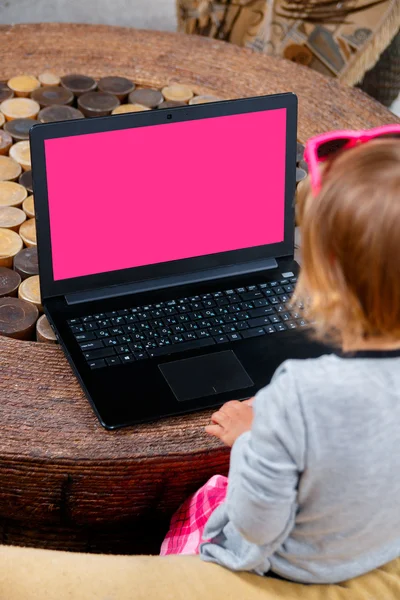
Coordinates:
[187,525]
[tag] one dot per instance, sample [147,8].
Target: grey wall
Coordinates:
[149,14]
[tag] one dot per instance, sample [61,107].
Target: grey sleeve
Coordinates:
[265,465]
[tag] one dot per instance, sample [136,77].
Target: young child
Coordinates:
[313,493]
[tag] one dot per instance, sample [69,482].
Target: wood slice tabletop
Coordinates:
[62,476]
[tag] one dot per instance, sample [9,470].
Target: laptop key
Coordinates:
[182,318]
[127,358]
[242,325]
[114,360]
[260,322]
[103,333]
[73,321]
[122,349]
[260,302]
[251,296]
[170,321]
[104,323]
[91,326]
[78,328]
[189,335]
[117,321]
[181,347]
[255,332]
[243,316]
[109,342]
[101,353]
[222,301]
[230,318]
[261,312]
[131,319]
[177,329]
[281,327]
[116,331]
[136,347]
[234,336]
[129,329]
[123,339]
[150,345]
[97,364]
[291,325]
[233,308]
[87,319]
[143,316]
[216,331]
[202,333]
[85,337]
[221,339]
[140,355]
[209,303]
[275,319]
[229,328]
[95,345]
[268,292]
[270,329]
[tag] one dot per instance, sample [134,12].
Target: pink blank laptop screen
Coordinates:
[134,197]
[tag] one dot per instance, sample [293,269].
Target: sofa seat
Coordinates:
[35,574]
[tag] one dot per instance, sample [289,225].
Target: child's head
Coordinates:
[350,245]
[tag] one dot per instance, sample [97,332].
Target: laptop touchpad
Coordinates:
[205,375]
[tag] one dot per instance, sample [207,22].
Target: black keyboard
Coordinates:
[144,332]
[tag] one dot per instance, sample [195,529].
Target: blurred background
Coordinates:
[146,14]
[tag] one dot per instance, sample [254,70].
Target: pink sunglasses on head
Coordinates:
[321,147]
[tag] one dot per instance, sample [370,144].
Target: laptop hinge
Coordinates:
[168,282]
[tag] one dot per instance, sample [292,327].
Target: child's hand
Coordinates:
[231,420]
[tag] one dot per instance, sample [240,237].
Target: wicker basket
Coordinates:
[383,80]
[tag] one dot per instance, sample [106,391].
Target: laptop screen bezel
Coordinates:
[41,132]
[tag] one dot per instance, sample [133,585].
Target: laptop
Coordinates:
[165,244]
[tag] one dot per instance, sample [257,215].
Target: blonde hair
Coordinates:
[350,276]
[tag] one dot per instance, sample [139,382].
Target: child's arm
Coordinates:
[265,466]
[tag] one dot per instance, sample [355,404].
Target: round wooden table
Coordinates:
[65,482]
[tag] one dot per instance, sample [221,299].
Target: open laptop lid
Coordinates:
[141,196]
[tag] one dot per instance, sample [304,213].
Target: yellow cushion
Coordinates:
[32,574]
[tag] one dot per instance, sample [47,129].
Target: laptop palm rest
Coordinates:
[205,375]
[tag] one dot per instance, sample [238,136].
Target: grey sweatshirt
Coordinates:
[314,487]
